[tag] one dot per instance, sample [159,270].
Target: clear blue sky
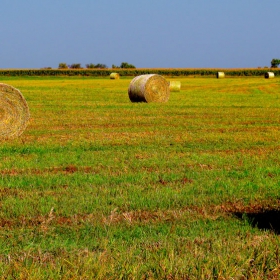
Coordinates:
[146,33]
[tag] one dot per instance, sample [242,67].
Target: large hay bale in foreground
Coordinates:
[220,75]
[114,76]
[174,86]
[269,75]
[149,88]
[14,112]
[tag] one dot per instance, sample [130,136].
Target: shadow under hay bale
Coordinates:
[114,76]
[266,220]
[220,75]
[174,86]
[14,112]
[149,88]
[269,75]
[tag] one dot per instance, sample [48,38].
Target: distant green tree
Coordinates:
[275,62]
[115,66]
[100,66]
[127,65]
[62,65]
[90,65]
[75,66]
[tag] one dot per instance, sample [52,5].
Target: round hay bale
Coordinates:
[14,112]
[269,75]
[149,88]
[220,75]
[114,76]
[174,86]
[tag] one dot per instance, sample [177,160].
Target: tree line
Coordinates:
[124,65]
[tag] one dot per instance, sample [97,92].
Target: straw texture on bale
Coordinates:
[220,75]
[269,75]
[14,112]
[174,86]
[114,76]
[149,88]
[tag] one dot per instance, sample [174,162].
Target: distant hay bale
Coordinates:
[14,112]
[174,86]
[269,75]
[220,75]
[114,76]
[149,88]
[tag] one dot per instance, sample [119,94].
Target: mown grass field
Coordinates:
[98,187]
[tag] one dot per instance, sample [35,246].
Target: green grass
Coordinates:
[98,187]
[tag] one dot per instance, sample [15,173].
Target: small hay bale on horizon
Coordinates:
[220,75]
[269,75]
[174,86]
[149,88]
[114,76]
[14,112]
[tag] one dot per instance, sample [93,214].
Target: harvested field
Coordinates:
[97,186]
